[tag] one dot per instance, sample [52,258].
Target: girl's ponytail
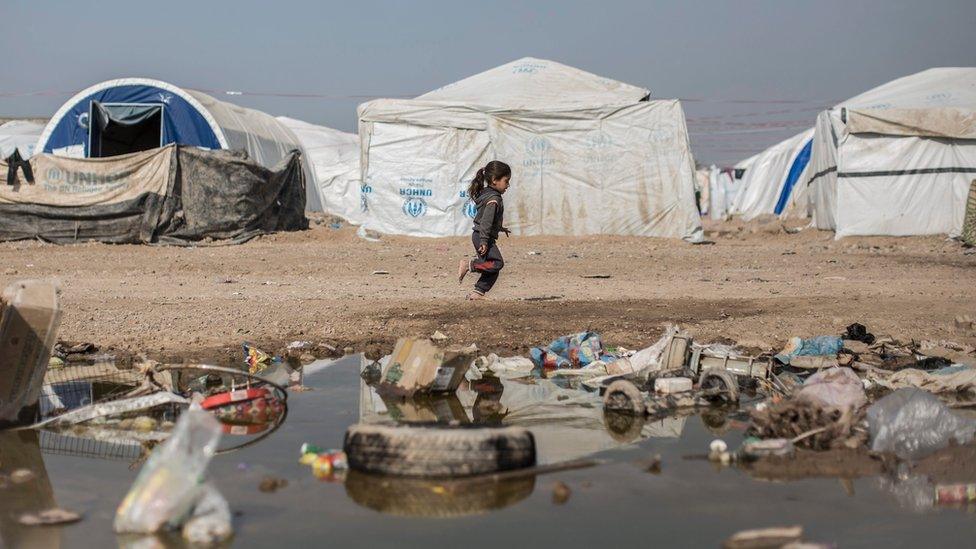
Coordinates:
[492,171]
[478,183]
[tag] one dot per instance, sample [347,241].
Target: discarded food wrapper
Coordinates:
[755,449]
[256,359]
[419,366]
[955,493]
[326,464]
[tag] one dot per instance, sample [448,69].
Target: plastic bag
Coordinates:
[171,482]
[211,522]
[834,388]
[912,423]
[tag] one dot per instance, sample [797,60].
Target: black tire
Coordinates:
[438,451]
[721,385]
[624,397]
[416,497]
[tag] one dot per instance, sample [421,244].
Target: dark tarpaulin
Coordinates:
[190,196]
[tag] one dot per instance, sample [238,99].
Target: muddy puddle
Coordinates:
[627,496]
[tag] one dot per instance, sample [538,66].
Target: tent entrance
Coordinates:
[123,128]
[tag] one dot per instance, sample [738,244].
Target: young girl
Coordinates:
[486,189]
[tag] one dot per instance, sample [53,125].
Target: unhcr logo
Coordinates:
[528,68]
[599,140]
[537,145]
[469,209]
[414,207]
[412,191]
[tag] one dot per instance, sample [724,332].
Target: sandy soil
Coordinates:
[756,285]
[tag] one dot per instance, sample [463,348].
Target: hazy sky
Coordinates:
[741,67]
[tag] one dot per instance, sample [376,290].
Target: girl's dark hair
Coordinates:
[492,171]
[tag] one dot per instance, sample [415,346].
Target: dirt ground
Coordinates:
[756,285]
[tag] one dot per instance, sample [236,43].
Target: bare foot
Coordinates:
[464,267]
[475,296]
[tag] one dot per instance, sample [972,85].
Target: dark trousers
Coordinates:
[488,266]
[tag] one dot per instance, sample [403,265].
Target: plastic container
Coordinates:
[671,385]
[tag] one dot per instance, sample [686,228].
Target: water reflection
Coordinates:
[22,450]
[567,424]
[440,498]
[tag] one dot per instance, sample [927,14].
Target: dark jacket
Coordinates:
[488,220]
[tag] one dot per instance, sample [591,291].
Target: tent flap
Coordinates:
[936,122]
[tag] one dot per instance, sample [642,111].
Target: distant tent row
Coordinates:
[895,160]
[775,180]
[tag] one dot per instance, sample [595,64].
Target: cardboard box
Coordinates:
[31,315]
[418,366]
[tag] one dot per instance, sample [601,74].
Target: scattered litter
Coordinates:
[168,487]
[858,332]
[765,537]
[49,517]
[953,379]
[912,423]
[808,425]
[534,253]
[256,359]
[671,385]
[210,523]
[599,275]
[20,476]
[560,493]
[417,365]
[753,448]
[272,484]
[438,336]
[950,494]
[381,272]
[31,314]
[367,235]
[817,346]
[838,388]
[572,351]
[509,367]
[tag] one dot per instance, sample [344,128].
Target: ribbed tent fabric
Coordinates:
[769,185]
[897,159]
[334,158]
[187,117]
[589,155]
[19,135]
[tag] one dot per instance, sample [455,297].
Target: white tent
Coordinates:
[769,185]
[334,158]
[898,159]
[19,134]
[589,155]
